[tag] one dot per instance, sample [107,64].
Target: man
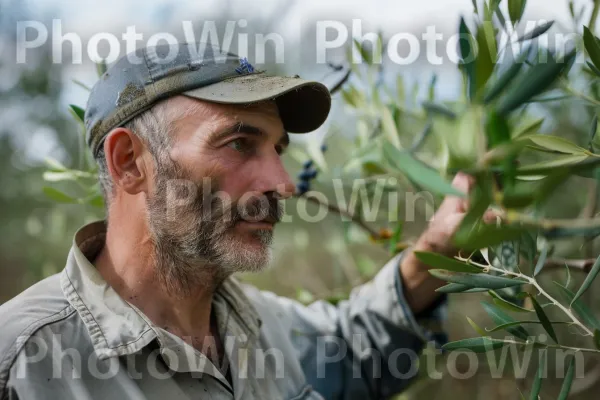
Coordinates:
[189,156]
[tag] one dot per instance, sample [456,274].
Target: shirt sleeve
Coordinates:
[365,347]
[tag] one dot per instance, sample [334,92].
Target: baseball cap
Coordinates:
[140,79]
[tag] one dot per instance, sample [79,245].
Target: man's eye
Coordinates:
[240,145]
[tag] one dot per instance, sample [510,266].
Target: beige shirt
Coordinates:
[71,336]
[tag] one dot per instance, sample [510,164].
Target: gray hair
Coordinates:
[155,127]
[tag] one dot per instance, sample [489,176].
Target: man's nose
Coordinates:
[276,179]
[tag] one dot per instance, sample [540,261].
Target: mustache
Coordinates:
[265,208]
[207,202]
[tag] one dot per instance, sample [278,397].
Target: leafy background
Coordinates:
[322,260]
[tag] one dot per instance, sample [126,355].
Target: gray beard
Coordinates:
[194,243]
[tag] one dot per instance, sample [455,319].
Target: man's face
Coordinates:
[215,197]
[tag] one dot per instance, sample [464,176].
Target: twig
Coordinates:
[337,86]
[582,349]
[421,137]
[355,218]
[549,224]
[550,346]
[584,264]
[579,94]
[532,281]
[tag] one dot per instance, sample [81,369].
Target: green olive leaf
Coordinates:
[58,196]
[500,318]
[543,319]
[537,382]
[588,280]
[515,10]
[507,305]
[534,81]
[439,261]
[476,327]
[566,386]
[555,143]
[418,172]
[77,112]
[541,261]
[476,280]
[537,31]
[459,288]
[592,46]
[478,345]
[468,54]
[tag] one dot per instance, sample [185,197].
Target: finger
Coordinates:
[463,183]
[463,205]
[438,238]
[491,216]
[454,220]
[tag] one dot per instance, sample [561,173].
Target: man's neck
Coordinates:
[127,264]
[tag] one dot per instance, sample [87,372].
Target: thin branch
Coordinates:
[354,218]
[542,292]
[563,308]
[338,85]
[560,346]
[579,94]
[421,137]
[549,224]
[550,346]
[583,265]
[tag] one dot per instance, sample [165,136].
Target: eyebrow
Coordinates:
[250,130]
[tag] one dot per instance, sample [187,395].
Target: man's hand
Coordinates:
[419,284]
[437,236]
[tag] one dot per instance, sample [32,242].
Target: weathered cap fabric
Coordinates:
[140,79]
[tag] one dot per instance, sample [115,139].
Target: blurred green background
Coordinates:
[312,260]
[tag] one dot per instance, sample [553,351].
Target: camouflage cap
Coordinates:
[137,81]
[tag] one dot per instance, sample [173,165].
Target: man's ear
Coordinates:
[124,152]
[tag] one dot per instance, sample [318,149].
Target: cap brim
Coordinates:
[303,105]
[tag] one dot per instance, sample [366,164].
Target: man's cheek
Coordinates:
[236,183]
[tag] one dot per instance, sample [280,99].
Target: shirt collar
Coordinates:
[115,327]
